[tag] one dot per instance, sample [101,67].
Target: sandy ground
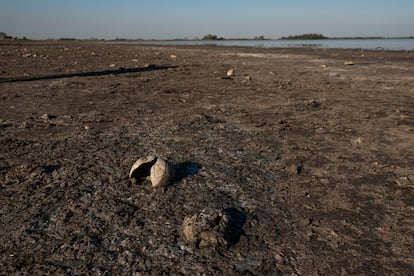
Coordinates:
[313,148]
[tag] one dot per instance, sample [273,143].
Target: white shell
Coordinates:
[161,173]
[230,73]
[141,167]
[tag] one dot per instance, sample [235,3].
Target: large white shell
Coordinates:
[161,173]
[141,168]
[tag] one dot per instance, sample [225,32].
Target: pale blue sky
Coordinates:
[166,19]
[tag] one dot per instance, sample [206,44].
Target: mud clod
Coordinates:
[213,227]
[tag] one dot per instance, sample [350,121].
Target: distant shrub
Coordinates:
[305,36]
[261,37]
[3,35]
[67,38]
[211,37]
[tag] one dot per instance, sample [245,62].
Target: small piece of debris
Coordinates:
[348,63]
[295,169]
[358,141]
[230,73]
[48,117]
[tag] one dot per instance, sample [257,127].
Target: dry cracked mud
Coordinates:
[315,153]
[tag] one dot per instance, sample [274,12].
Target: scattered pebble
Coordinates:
[358,141]
[230,73]
[48,117]
[295,169]
[348,63]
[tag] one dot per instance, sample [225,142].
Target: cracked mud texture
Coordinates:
[317,155]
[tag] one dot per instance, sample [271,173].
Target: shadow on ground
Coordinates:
[89,74]
[185,169]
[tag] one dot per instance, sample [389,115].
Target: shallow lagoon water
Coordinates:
[368,44]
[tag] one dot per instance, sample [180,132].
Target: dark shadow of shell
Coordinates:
[185,169]
[235,228]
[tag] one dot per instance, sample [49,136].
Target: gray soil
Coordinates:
[315,155]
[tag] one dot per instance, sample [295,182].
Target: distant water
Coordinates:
[368,44]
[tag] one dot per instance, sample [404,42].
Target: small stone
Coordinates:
[230,73]
[348,63]
[48,117]
[295,169]
[24,124]
[358,141]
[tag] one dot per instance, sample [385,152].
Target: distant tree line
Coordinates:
[211,37]
[305,36]
[3,35]
[261,37]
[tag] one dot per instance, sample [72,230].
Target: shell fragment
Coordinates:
[155,168]
[161,173]
[141,168]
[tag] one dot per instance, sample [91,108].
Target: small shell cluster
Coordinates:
[156,169]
